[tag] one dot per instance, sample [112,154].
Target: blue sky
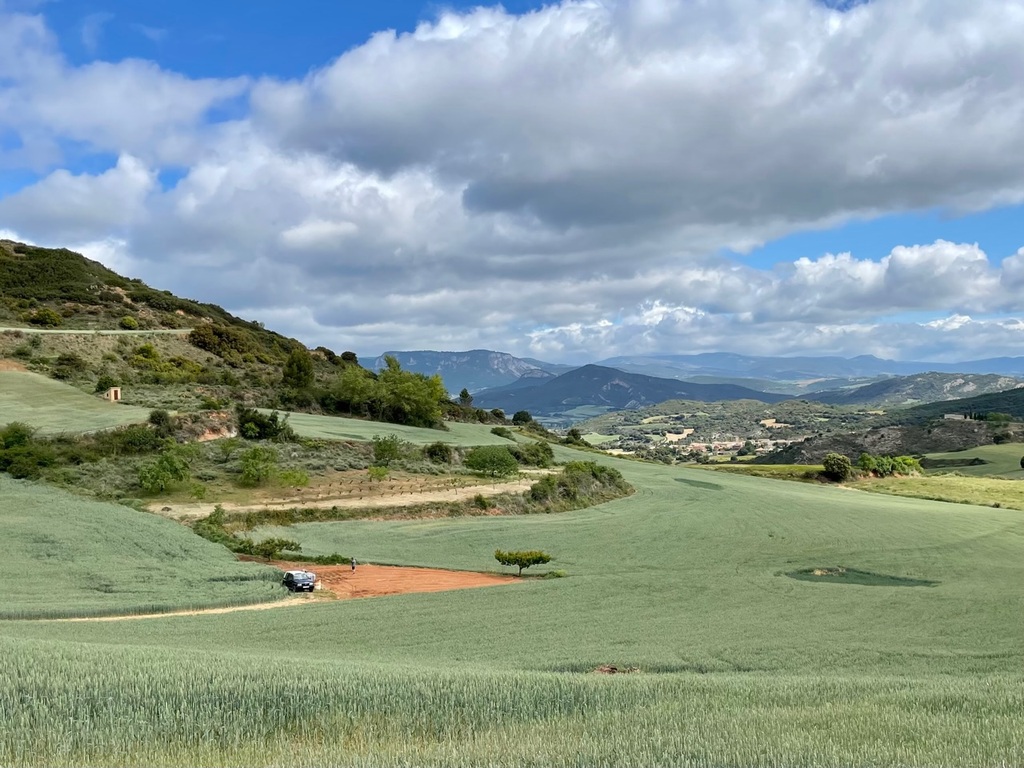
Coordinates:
[568,181]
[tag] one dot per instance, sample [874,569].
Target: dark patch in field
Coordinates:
[841,575]
[700,484]
[927,463]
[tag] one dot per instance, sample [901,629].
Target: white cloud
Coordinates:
[557,183]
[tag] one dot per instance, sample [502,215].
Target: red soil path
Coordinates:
[379,580]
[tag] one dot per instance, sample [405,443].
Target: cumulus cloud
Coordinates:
[558,183]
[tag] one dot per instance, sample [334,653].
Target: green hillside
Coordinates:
[52,407]
[685,582]
[68,556]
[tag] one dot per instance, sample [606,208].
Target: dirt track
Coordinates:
[341,582]
[194,511]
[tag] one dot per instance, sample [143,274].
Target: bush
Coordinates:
[503,432]
[105,382]
[494,460]
[837,467]
[68,365]
[46,318]
[387,449]
[253,425]
[258,465]
[128,323]
[439,453]
[535,454]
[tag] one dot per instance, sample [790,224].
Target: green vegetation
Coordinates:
[837,467]
[522,558]
[983,461]
[493,460]
[686,582]
[65,556]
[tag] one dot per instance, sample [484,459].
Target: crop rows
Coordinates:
[72,704]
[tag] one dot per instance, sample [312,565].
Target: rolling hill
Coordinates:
[595,385]
[903,391]
[475,370]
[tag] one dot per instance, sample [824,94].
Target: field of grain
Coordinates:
[684,587]
[340,428]
[66,556]
[53,407]
[999,461]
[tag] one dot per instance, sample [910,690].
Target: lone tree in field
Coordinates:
[522,558]
[837,467]
[1022,462]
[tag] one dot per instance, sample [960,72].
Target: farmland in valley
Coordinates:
[685,585]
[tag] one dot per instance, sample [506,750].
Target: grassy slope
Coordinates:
[339,428]
[683,577]
[1002,461]
[65,556]
[51,406]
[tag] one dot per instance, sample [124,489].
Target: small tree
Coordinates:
[258,465]
[387,449]
[494,460]
[298,369]
[521,418]
[1022,462]
[522,558]
[837,467]
[465,399]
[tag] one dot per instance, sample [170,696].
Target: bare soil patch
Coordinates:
[380,580]
[11,365]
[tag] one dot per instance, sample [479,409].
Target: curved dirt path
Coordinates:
[341,582]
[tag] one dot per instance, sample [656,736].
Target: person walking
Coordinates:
[353,565]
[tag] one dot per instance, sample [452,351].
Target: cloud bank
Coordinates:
[560,184]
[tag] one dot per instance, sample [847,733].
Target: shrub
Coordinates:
[272,548]
[46,318]
[254,425]
[105,382]
[439,453]
[258,465]
[535,454]
[128,323]
[387,449]
[494,460]
[67,365]
[837,467]
[503,432]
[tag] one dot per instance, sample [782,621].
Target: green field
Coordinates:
[339,428]
[1000,461]
[53,407]
[738,664]
[66,556]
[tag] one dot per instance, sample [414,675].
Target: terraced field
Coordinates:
[53,407]
[686,586]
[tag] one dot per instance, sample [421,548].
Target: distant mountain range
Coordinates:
[474,370]
[599,386]
[481,369]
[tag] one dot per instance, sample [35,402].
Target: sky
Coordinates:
[569,182]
